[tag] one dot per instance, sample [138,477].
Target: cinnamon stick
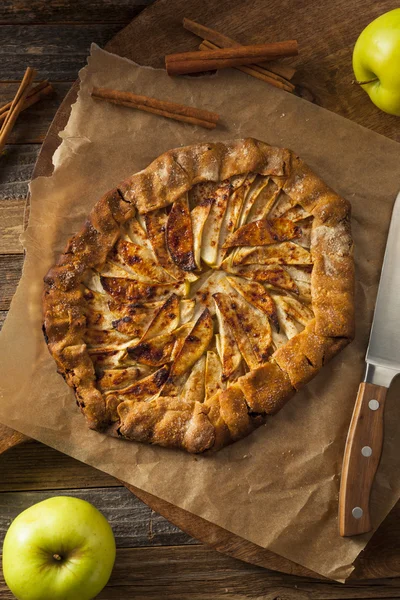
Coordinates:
[206,60]
[223,41]
[209,34]
[164,108]
[42,89]
[256,71]
[32,91]
[16,106]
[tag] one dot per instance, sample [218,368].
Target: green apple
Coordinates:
[60,549]
[376,60]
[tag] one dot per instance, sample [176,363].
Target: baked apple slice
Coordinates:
[137,234]
[264,201]
[296,213]
[256,294]
[213,283]
[130,290]
[154,352]
[252,333]
[180,235]
[274,276]
[186,309]
[114,379]
[180,335]
[199,216]
[194,388]
[133,319]
[212,226]
[140,261]
[258,184]
[160,349]
[156,226]
[166,319]
[286,253]
[194,346]
[299,311]
[263,232]
[283,204]
[305,237]
[111,269]
[146,388]
[239,188]
[226,346]
[98,314]
[287,324]
[302,278]
[213,375]
[104,337]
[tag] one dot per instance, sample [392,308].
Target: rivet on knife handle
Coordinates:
[361,459]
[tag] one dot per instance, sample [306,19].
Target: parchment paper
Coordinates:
[278,487]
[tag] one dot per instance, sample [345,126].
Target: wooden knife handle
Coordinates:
[361,459]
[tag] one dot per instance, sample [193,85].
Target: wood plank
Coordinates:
[199,573]
[33,123]
[11,219]
[45,11]
[56,51]
[3,314]
[9,438]
[326,38]
[16,167]
[10,273]
[34,466]
[221,539]
[134,524]
[381,557]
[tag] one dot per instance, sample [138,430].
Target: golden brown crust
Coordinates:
[64,306]
[235,412]
[167,422]
[266,389]
[232,413]
[331,246]
[306,353]
[176,171]
[332,279]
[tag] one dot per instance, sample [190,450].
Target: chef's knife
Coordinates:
[365,437]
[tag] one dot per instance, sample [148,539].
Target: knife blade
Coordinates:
[365,437]
[383,353]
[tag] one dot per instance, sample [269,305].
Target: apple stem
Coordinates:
[57,557]
[365,82]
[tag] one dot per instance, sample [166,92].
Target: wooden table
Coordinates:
[155,559]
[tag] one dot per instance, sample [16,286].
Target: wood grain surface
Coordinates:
[35,467]
[56,35]
[16,167]
[10,272]
[198,573]
[70,11]
[326,32]
[37,472]
[33,125]
[57,51]
[358,472]
[134,524]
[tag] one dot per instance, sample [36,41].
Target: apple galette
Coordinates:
[201,294]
